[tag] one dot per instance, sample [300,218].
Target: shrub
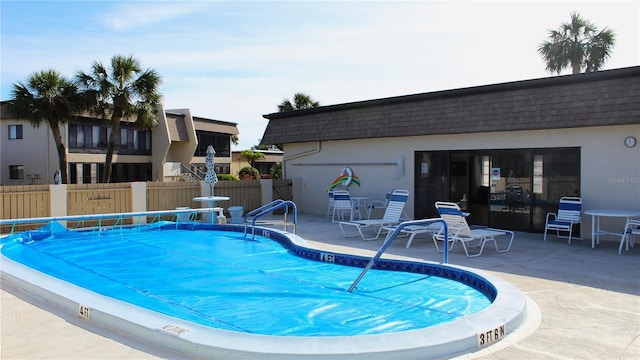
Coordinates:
[276,171]
[228,177]
[248,173]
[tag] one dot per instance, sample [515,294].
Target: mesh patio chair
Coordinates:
[631,229]
[568,215]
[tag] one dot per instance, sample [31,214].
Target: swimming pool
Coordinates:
[218,336]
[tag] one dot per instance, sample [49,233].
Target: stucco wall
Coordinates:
[36,151]
[610,172]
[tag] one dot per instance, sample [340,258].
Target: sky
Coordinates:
[237,60]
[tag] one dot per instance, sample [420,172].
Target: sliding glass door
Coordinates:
[511,189]
[510,194]
[431,182]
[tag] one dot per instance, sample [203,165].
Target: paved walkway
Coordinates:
[585,302]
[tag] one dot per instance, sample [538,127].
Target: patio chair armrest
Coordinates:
[376,203]
[551,214]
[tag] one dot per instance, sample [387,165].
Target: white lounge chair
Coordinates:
[381,205]
[391,216]
[568,215]
[460,232]
[631,229]
[414,230]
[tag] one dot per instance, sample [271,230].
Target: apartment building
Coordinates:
[172,150]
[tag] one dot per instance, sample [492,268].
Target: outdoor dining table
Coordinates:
[596,231]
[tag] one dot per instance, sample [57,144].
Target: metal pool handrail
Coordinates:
[262,208]
[394,234]
[100,217]
[268,208]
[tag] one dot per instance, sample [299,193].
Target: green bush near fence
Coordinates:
[228,177]
[249,173]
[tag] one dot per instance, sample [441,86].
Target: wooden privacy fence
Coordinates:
[282,189]
[247,194]
[170,195]
[83,199]
[33,201]
[23,201]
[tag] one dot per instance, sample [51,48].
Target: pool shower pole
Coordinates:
[393,236]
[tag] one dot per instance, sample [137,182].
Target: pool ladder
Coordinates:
[394,234]
[252,216]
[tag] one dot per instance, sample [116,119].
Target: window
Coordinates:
[130,136]
[15,132]
[221,143]
[123,138]
[102,143]
[73,131]
[94,139]
[16,172]
[95,136]
[80,136]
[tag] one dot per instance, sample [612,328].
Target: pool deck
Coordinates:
[585,303]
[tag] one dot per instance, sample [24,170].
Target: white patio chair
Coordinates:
[391,216]
[342,205]
[459,231]
[568,215]
[378,204]
[631,229]
[331,202]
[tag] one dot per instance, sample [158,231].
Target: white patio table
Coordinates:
[361,202]
[209,202]
[595,222]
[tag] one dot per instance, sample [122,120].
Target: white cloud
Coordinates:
[236,61]
[132,15]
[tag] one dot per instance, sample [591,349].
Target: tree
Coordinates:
[252,156]
[300,101]
[49,97]
[276,171]
[578,45]
[122,91]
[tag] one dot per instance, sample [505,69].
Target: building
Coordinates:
[172,150]
[272,156]
[506,152]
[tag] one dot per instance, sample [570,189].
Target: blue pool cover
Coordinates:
[223,280]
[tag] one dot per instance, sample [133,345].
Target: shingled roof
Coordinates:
[602,98]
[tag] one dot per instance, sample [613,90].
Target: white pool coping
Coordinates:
[458,337]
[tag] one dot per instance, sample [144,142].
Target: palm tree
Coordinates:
[252,157]
[49,97]
[577,44]
[122,91]
[300,101]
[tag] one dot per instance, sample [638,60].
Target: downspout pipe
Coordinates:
[305,153]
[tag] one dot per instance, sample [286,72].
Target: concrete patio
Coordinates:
[584,302]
